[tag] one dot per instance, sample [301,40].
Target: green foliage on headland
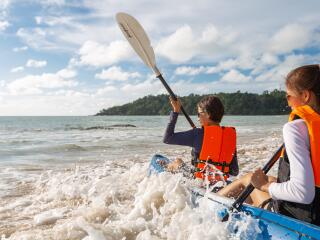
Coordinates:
[238,103]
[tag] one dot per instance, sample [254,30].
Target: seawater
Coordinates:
[86,177]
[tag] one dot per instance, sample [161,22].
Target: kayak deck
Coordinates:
[272,225]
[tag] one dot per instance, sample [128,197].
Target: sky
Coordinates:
[69,57]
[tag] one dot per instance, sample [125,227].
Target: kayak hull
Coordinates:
[270,225]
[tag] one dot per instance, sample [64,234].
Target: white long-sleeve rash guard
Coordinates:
[300,188]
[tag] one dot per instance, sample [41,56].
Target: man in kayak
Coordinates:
[296,190]
[214,155]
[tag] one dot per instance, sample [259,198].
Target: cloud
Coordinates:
[41,39]
[98,55]
[71,102]
[58,21]
[68,31]
[4,25]
[234,76]
[130,91]
[36,64]
[106,90]
[269,59]
[185,44]
[4,4]
[291,37]
[20,49]
[54,21]
[67,73]
[185,87]
[265,62]
[241,62]
[178,47]
[60,103]
[35,84]
[53,2]
[17,69]
[147,87]
[191,71]
[116,74]
[255,64]
[280,71]
[220,67]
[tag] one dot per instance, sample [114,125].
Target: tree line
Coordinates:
[237,103]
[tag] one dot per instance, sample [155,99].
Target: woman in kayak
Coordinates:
[296,190]
[213,146]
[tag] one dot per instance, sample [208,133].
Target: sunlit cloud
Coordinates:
[234,76]
[17,69]
[290,37]
[53,21]
[185,44]
[4,25]
[36,84]
[191,71]
[67,73]
[53,2]
[116,74]
[95,54]
[37,38]
[36,64]
[4,4]
[20,49]
[280,71]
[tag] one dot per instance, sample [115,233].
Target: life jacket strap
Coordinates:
[206,169]
[212,176]
[225,167]
[209,161]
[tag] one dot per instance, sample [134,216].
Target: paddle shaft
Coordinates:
[175,98]
[243,196]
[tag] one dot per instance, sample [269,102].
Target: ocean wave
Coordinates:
[15,141]
[67,128]
[66,147]
[61,148]
[97,202]
[109,127]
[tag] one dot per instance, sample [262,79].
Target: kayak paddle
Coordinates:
[140,42]
[224,215]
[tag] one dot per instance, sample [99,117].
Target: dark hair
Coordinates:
[305,78]
[213,106]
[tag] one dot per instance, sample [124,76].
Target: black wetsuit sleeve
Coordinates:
[185,138]
[234,166]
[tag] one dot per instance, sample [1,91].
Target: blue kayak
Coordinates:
[271,225]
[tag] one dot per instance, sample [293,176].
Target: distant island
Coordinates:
[237,103]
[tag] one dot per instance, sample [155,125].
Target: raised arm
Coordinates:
[185,138]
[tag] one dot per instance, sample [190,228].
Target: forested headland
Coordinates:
[237,103]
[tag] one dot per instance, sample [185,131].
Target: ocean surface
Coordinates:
[86,177]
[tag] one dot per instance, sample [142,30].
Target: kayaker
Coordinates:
[213,146]
[296,190]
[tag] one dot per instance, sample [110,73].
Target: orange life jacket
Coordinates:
[312,120]
[218,149]
[305,212]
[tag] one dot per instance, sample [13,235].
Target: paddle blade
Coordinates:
[137,38]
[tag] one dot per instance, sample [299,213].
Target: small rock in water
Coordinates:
[122,125]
